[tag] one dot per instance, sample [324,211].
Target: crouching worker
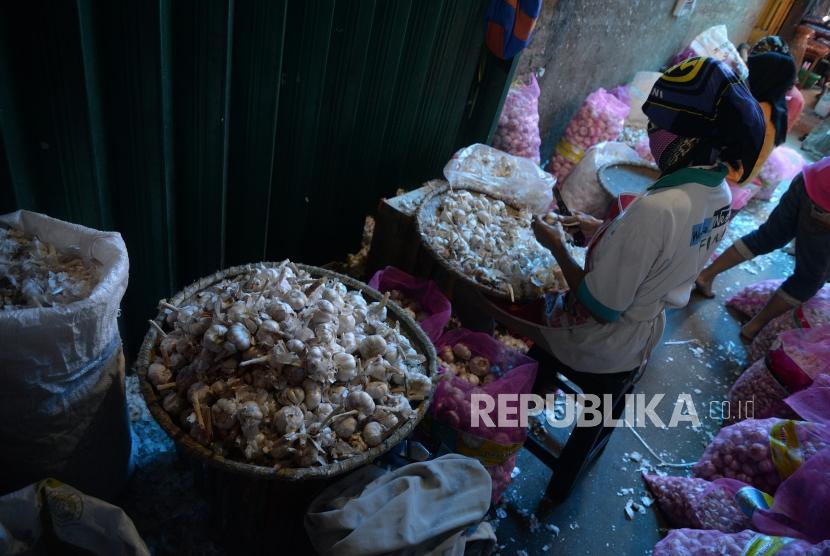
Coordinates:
[802,213]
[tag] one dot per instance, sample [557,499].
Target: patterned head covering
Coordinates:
[770,43]
[700,112]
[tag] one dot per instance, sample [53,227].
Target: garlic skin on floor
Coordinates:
[279,368]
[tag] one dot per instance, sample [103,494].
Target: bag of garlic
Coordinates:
[581,190]
[50,517]
[422,299]
[514,179]
[800,356]
[699,504]
[762,452]
[422,508]
[518,129]
[745,543]
[812,313]
[475,363]
[600,118]
[714,43]
[758,393]
[61,367]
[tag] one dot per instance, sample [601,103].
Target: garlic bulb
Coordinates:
[288,419]
[361,401]
[372,346]
[159,374]
[372,433]
[344,428]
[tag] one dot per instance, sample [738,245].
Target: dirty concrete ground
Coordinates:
[699,355]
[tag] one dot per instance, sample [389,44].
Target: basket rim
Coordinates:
[204,454]
[420,227]
[601,177]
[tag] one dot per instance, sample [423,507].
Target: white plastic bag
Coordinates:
[823,105]
[62,401]
[50,517]
[639,89]
[514,178]
[714,42]
[581,190]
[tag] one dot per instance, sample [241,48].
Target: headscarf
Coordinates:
[770,43]
[771,75]
[699,113]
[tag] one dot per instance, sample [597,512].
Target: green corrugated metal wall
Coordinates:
[211,133]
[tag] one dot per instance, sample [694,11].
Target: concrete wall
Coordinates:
[586,44]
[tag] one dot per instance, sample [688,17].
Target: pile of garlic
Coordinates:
[459,361]
[492,244]
[281,369]
[34,274]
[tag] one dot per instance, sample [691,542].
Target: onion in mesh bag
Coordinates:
[705,542]
[761,452]
[697,504]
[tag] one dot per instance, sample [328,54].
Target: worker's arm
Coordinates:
[553,237]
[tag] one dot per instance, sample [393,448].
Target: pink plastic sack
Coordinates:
[762,452]
[600,118]
[750,300]
[425,293]
[682,56]
[495,447]
[697,542]
[800,506]
[800,356]
[518,129]
[623,93]
[697,504]
[782,165]
[741,194]
[757,394]
[811,314]
[813,403]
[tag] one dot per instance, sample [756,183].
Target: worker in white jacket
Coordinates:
[703,122]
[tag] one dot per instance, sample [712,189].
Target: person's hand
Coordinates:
[551,236]
[585,223]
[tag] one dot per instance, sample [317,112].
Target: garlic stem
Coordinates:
[165,386]
[254,361]
[155,325]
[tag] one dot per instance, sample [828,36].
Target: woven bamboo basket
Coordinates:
[201,453]
[428,210]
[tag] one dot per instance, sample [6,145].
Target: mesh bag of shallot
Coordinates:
[600,118]
[421,298]
[757,388]
[708,542]
[751,299]
[518,129]
[762,452]
[699,504]
[475,363]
